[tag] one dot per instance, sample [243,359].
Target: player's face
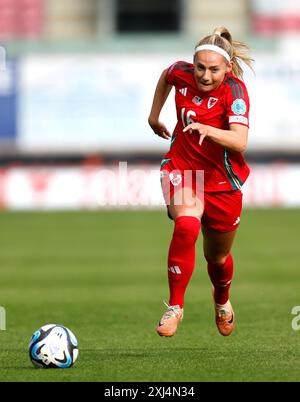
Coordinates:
[210,70]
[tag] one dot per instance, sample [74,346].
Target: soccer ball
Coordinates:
[53,346]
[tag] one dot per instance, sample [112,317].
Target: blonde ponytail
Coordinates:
[238,51]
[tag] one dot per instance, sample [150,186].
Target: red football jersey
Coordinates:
[224,170]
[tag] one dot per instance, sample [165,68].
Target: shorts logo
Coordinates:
[175,179]
[239,107]
[211,102]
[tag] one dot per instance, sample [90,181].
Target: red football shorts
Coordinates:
[222,210]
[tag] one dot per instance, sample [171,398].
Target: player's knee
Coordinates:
[187,229]
[216,259]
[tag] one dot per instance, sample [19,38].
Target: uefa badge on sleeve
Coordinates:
[239,107]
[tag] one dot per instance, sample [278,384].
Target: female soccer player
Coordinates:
[210,136]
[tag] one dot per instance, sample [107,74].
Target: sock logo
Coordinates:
[175,270]
[237,221]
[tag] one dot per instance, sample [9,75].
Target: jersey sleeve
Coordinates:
[176,72]
[238,104]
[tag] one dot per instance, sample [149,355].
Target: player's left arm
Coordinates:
[234,139]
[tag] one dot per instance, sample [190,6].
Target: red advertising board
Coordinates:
[275,17]
[21,19]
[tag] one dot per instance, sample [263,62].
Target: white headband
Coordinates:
[214,48]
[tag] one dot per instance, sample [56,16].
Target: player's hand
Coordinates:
[160,129]
[199,128]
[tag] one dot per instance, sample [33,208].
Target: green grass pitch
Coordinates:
[103,275]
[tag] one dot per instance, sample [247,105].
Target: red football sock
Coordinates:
[221,277]
[181,259]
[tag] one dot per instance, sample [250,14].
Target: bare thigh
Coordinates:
[185,203]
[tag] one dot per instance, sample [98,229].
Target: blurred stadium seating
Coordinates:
[77,82]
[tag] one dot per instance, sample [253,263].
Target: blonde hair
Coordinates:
[237,50]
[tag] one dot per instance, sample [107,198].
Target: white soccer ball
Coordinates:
[53,346]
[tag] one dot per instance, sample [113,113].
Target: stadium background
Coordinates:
[79,81]
[76,84]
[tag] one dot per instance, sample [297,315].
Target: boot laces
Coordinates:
[172,311]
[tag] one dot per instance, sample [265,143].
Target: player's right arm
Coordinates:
[160,96]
